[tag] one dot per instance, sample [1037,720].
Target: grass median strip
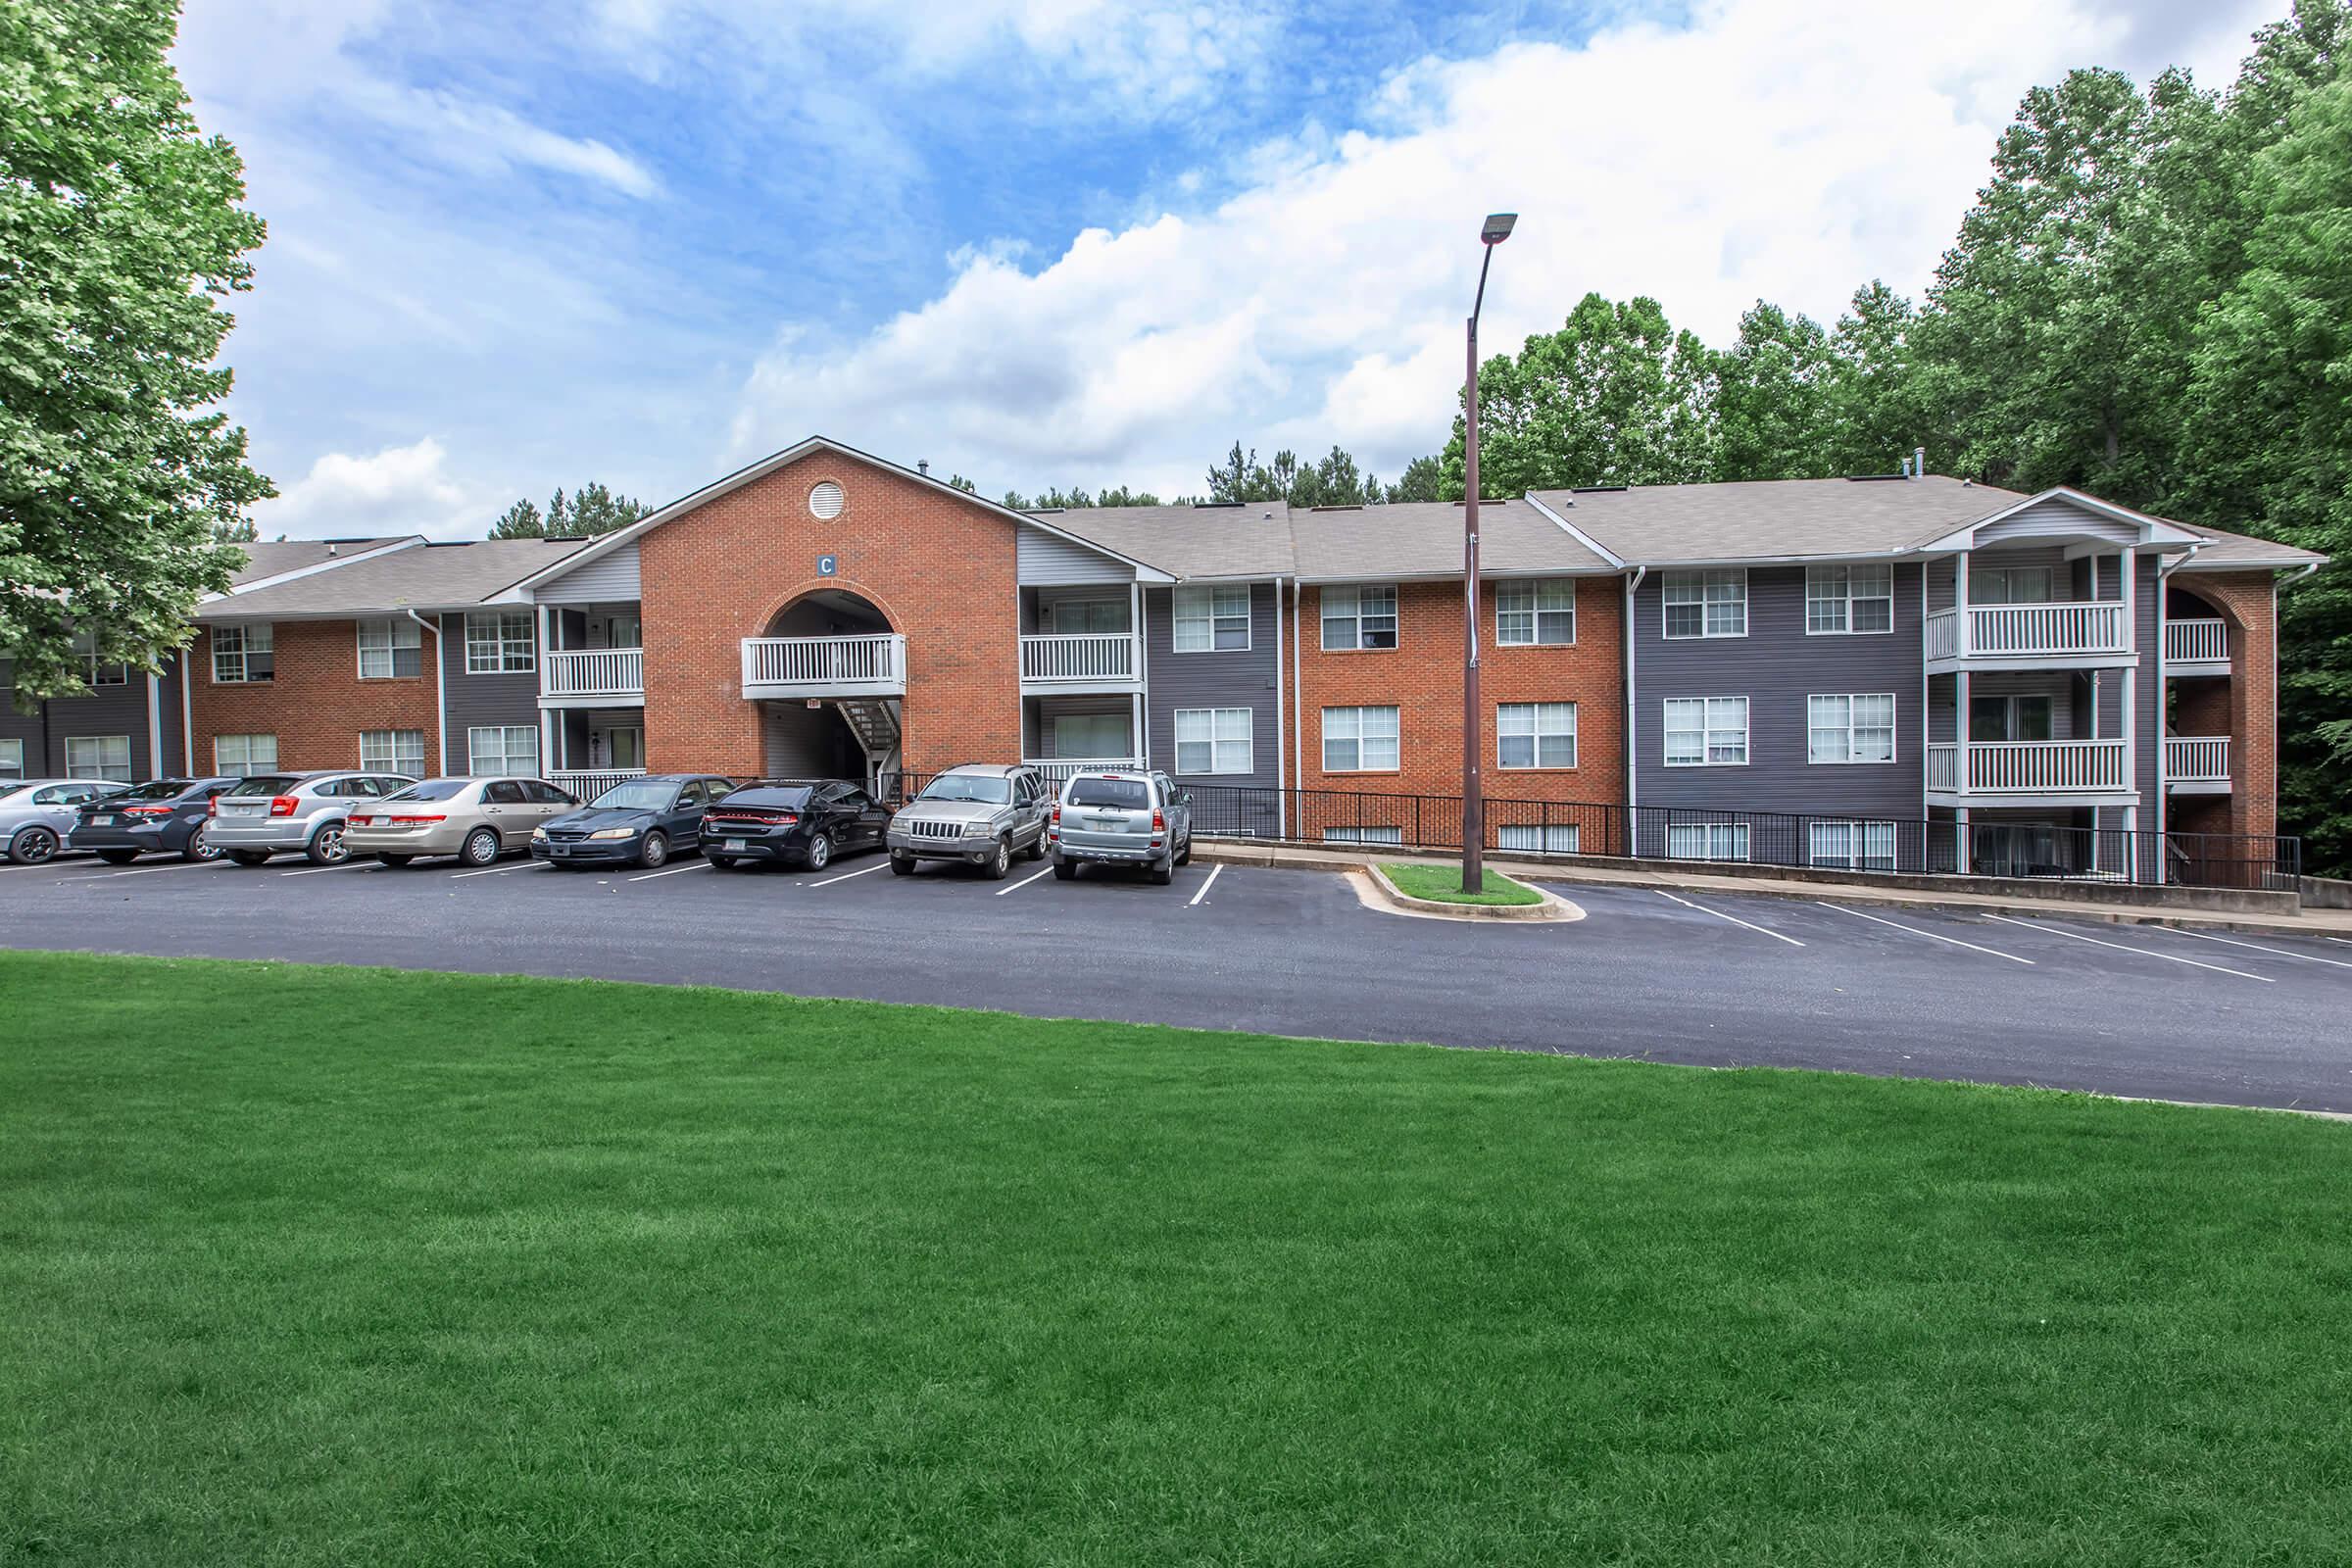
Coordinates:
[310,1266]
[1443,884]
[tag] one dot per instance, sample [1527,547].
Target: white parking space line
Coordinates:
[696,865]
[2347,941]
[1024,882]
[1735,919]
[2149,952]
[1205,885]
[348,866]
[844,876]
[150,870]
[1931,936]
[500,870]
[2283,952]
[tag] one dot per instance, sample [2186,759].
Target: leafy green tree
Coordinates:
[121,235]
[1871,401]
[235,531]
[957,481]
[1424,480]
[596,510]
[1771,390]
[1121,496]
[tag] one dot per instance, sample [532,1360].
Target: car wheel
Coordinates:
[901,866]
[118,857]
[480,847]
[326,846]
[394,861]
[200,845]
[1184,857]
[820,852]
[654,852]
[31,845]
[999,863]
[1037,845]
[1163,872]
[250,857]
[1065,870]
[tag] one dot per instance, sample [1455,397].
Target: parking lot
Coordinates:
[1716,980]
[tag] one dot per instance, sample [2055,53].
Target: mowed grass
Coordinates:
[1444,884]
[309,1265]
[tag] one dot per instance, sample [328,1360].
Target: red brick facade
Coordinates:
[2245,707]
[316,705]
[940,569]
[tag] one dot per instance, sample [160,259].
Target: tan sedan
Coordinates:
[475,819]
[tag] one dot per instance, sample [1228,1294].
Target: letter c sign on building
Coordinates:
[827,566]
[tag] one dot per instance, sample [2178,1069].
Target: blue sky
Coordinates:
[1041,241]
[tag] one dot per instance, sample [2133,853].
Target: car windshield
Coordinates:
[637,795]
[264,784]
[161,789]
[436,789]
[783,796]
[981,787]
[1130,793]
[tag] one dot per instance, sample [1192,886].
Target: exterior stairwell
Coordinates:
[874,720]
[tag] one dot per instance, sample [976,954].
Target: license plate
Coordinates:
[102,821]
[559,849]
[731,846]
[1108,824]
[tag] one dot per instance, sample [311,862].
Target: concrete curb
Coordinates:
[1552,907]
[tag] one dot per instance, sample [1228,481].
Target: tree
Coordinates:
[521,521]
[1772,391]
[120,238]
[596,510]
[957,481]
[591,510]
[1871,401]
[235,531]
[1424,480]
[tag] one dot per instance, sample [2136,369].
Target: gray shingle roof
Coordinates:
[1650,524]
[1424,539]
[1250,540]
[266,558]
[2238,550]
[426,577]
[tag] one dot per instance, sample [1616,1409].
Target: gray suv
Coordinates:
[1123,818]
[298,813]
[980,813]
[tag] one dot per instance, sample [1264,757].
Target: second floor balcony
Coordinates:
[2014,768]
[871,665]
[2198,647]
[2023,636]
[583,675]
[1077,660]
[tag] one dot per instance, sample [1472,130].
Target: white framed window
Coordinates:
[1852,846]
[243,653]
[393,751]
[499,643]
[244,755]
[1092,736]
[1359,617]
[1363,835]
[2009,585]
[1536,614]
[1537,838]
[1706,841]
[511,749]
[1360,740]
[93,673]
[1535,735]
[99,756]
[390,647]
[1850,729]
[1212,618]
[12,758]
[1707,604]
[2023,716]
[1706,731]
[1213,740]
[1067,616]
[1850,600]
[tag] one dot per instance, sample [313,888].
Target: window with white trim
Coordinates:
[1212,618]
[1359,617]
[1539,614]
[1852,846]
[1850,729]
[499,643]
[1363,835]
[393,751]
[1535,735]
[511,749]
[1706,731]
[2009,585]
[1537,838]
[390,647]
[1213,740]
[1706,841]
[1705,603]
[244,755]
[1855,599]
[99,756]
[93,673]
[12,758]
[1360,740]
[243,653]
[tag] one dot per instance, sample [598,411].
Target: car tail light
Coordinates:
[212,806]
[281,806]
[399,820]
[1159,820]
[1057,814]
[146,810]
[363,821]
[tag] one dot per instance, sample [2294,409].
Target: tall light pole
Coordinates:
[1496,229]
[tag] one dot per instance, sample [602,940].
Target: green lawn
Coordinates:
[305,1265]
[1444,883]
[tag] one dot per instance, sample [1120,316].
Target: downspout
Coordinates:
[1298,708]
[1280,811]
[440,688]
[1633,749]
[187,714]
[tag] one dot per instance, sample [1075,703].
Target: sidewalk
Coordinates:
[2309,923]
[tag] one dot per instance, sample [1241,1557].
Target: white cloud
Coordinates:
[397,490]
[1770,150]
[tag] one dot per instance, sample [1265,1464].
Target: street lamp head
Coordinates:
[1498,227]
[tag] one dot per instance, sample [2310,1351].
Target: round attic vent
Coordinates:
[825,501]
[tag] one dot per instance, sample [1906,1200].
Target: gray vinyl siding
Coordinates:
[1777,667]
[2056,517]
[108,711]
[1043,558]
[172,714]
[481,699]
[1242,678]
[606,580]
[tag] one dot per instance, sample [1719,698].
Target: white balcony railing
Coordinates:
[1077,656]
[2196,759]
[588,786]
[815,665]
[2032,768]
[2197,642]
[1059,770]
[2012,631]
[593,672]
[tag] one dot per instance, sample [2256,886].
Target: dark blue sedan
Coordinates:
[638,822]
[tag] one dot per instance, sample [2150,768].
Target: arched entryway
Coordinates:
[827,672]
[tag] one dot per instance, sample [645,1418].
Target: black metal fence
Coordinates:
[1827,842]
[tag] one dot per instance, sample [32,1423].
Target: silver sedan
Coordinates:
[36,814]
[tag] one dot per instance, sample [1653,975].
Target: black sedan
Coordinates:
[800,821]
[639,821]
[164,815]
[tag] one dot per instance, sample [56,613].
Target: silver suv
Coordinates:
[980,813]
[294,813]
[1123,818]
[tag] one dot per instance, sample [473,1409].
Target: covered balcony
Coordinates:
[2196,647]
[2029,767]
[593,657]
[2196,764]
[1081,638]
[2044,603]
[2031,632]
[832,643]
